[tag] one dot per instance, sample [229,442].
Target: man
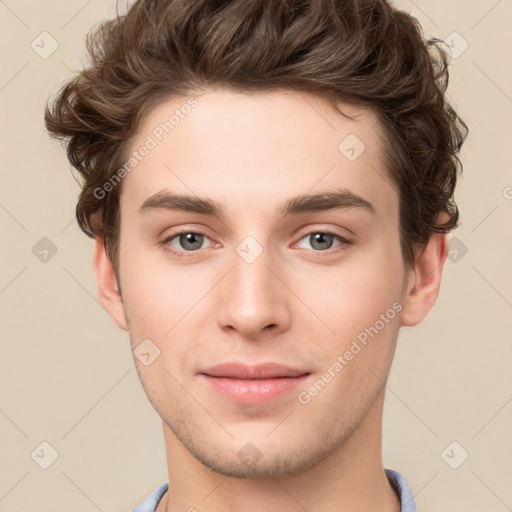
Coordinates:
[269,185]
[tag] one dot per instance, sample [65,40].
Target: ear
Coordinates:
[424,280]
[108,292]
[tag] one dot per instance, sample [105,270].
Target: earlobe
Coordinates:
[108,292]
[424,280]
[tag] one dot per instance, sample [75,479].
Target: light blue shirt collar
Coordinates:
[396,480]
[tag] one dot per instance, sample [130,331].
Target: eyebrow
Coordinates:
[331,200]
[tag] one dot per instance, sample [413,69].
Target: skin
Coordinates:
[296,304]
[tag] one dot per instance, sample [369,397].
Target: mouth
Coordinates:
[253,384]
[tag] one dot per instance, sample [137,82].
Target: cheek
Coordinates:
[170,305]
[361,305]
[159,299]
[352,295]
[154,298]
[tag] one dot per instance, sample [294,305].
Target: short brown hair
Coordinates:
[365,52]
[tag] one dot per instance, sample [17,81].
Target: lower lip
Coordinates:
[256,391]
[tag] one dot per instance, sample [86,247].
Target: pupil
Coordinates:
[321,238]
[191,240]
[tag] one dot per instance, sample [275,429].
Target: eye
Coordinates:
[323,241]
[186,241]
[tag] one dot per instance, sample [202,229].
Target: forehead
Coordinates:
[248,149]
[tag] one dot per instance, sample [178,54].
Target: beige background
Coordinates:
[66,372]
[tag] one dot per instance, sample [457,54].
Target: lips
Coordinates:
[260,371]
[253,384]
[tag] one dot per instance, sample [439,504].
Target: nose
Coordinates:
[252,298]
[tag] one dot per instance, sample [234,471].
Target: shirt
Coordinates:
[396,480]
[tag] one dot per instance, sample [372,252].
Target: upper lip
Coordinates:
[260,371]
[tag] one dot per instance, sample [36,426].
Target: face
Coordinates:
[270,290]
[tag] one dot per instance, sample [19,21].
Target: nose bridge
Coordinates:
[252,279]
[251,297]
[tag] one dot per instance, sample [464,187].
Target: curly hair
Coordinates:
[364,52]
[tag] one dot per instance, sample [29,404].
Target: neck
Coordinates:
[351,478]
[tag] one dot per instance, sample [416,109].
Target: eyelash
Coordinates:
[344,242]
